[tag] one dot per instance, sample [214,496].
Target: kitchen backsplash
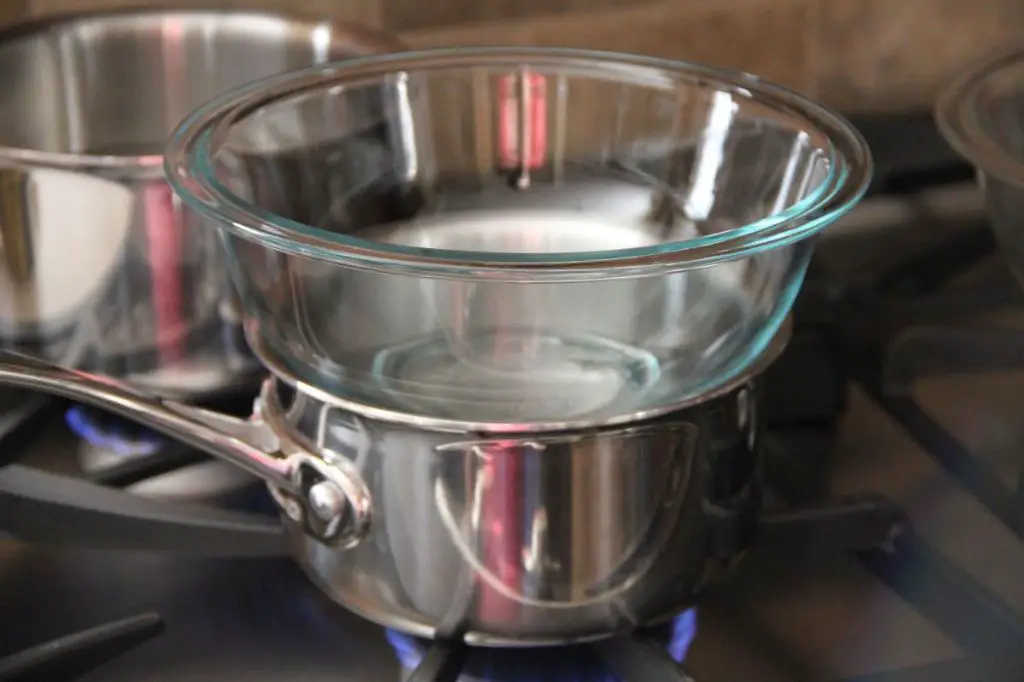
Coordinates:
[858,55]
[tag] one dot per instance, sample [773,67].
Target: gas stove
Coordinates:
[890,551]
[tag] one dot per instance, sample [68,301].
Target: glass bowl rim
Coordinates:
[189,170]
[956,114]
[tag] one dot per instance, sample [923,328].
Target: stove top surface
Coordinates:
[248,618]
[928,419]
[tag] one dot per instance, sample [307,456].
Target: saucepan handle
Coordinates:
[246,443]
[327,498]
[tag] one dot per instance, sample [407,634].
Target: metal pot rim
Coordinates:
[363,39]
[773,349]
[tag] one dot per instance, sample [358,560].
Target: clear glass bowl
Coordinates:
[981,115]
[539,238]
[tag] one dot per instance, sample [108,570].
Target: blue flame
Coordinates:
[110,434]
[552,664]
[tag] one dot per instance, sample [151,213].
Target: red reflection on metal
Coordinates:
[163,231]
[163,235]
[510,104]
[502,520]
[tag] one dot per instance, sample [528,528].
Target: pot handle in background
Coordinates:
[328,499]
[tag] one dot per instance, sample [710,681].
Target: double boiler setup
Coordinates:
[509,306]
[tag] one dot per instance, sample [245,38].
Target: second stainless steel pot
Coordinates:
[500,539]
[99,267]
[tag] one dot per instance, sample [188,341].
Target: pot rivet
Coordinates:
[327,501]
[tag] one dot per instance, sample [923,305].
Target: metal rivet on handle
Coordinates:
[327,501]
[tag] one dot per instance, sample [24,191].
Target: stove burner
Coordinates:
[112,434]
[573,663]
[120,453]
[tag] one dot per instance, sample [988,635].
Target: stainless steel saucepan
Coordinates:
[99,266]
[500,539]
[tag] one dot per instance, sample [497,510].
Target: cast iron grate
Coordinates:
[69,658]
[896,337]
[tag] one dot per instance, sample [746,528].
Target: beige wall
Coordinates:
[859,55]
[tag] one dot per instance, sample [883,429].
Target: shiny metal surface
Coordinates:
[100,268]
[549,539]
[538,236]
[510,539]
[467,423]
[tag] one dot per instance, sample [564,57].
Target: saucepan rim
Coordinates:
[193,146]
[41,28]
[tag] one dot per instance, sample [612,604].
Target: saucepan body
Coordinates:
[500,539]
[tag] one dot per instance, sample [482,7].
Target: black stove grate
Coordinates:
[69,658]
[894,342]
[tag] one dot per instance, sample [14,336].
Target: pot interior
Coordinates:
[118,83]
